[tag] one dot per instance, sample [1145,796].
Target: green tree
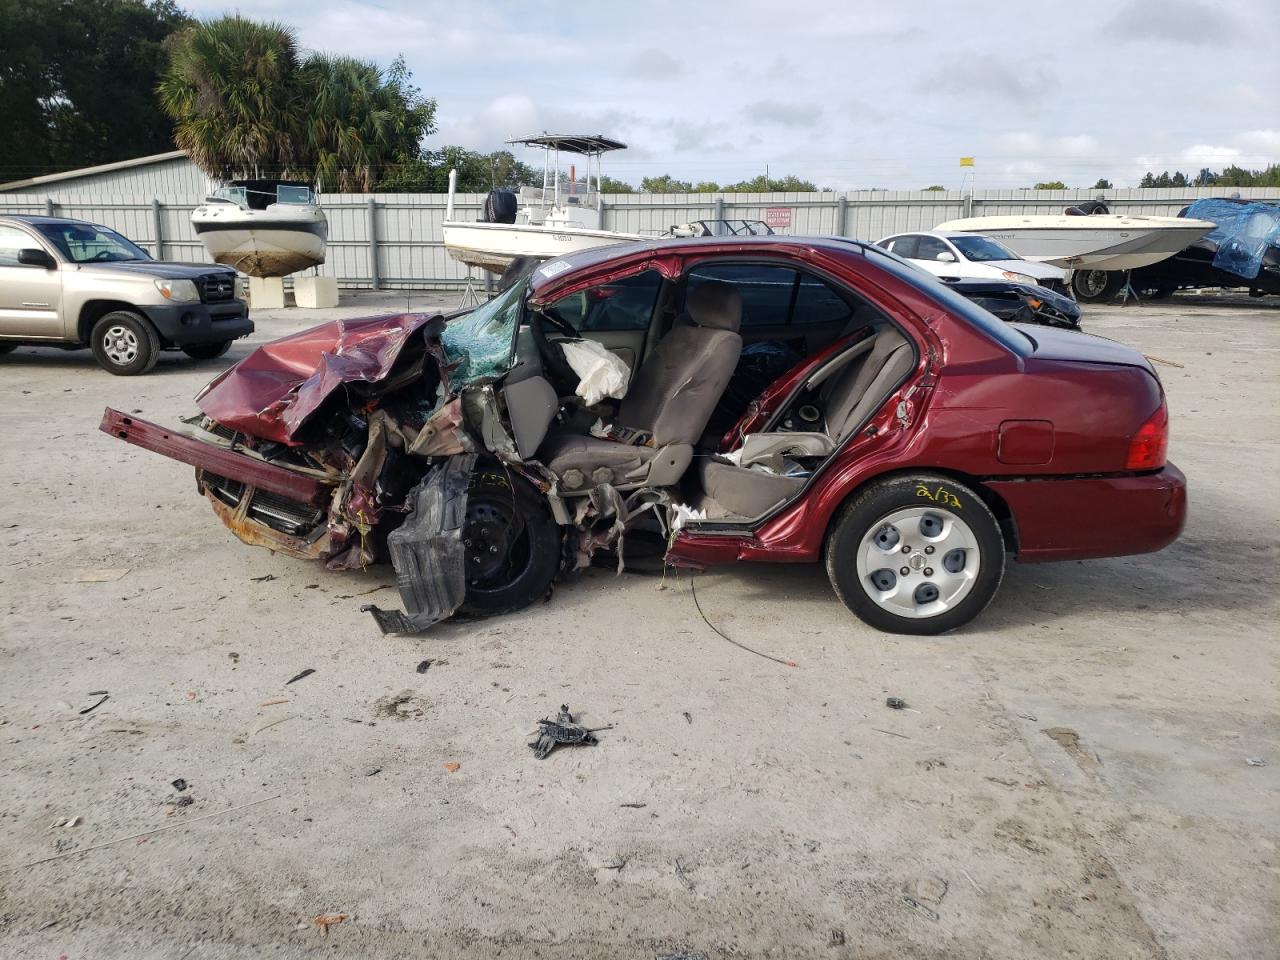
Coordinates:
[245,105]
[1103,184]
[665,184]
[706,186]
[76,82]
[232,88]
[477,172]
[1050,185]
[935,187]
[610,185]
[762,184]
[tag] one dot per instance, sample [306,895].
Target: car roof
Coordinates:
[33,219]
[554,273]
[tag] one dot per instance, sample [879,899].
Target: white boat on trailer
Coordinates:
[263,228]
[562,216]
[1088,241]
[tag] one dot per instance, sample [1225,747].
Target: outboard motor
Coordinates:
[1088,208]
[500,207]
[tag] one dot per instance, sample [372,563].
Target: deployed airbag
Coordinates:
[600,373]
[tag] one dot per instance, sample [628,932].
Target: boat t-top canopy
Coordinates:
[588,144]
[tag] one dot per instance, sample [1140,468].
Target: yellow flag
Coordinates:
[966,161]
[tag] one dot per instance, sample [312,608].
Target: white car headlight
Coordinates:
[1020,278]
[179,291]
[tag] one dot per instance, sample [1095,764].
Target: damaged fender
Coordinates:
[427,550]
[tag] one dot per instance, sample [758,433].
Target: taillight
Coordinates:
[1147,447]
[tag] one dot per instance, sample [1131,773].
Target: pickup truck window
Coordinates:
[86,243]
[11,241]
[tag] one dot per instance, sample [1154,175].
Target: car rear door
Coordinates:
[30,296]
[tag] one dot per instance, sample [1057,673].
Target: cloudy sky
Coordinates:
[847,94]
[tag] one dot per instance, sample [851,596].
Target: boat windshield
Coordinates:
[89,243]
[232,194]
[286,194]
[483,341]
[978,249]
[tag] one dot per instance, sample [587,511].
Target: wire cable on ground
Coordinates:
[741,646]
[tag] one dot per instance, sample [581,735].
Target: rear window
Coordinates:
[1007,336]
[776,296]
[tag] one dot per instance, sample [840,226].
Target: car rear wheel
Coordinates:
[8,347]
[124,343]
[207,351]
[511,542]
[917,554]
[1096,286]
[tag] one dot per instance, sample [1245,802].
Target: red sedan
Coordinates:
[772,398]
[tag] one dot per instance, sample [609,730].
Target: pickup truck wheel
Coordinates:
[8,347]
[206,351]
[511,543]
[917,554]
[124,343]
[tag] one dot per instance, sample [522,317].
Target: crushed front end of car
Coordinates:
[386,438]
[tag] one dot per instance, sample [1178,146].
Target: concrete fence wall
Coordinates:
[393,241]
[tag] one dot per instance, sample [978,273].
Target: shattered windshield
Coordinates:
[482,342]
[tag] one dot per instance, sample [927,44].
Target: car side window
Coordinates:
[929,248]
[903,246]
[11,241]
[766,289]
[625,304]
[818,302]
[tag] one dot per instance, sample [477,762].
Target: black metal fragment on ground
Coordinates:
[563,729]
[305,673]
[425,665]
[95,706]
[895,703]
[180,784]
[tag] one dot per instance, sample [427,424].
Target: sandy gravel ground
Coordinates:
[1071,779]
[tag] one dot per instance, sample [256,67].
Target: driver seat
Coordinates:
[669,401]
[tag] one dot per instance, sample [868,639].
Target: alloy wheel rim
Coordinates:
[919,562]
[120,344]
[1093,282]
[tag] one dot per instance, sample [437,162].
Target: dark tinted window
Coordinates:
[903,246]
[766,289]
[818,302]
[625,304]
[929,248]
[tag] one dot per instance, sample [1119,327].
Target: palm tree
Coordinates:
[232,90]
[358,120]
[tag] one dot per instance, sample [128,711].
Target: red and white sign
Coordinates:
[777,216]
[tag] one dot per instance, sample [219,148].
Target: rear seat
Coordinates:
[847,399]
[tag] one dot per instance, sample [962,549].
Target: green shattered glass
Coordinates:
[482,342]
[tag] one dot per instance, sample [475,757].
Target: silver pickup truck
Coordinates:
[71,284]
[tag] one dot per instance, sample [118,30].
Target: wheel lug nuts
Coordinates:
[928,549]
[906,571]
[928,571]
[906,548]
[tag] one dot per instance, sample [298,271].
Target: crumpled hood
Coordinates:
[271,393]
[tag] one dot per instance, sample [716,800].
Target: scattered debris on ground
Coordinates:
[895,703]
[741,646]
[263,579]
[93,707]
[305,673]
[563,729]
[837,938]
[180,784]
[110,575]
[633,806]
[327,920]
[453,766]
[425,665]
[1255,761]
[688,717]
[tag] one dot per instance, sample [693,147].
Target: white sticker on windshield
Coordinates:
[553,269]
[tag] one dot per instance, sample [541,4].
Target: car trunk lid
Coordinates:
[1072,347]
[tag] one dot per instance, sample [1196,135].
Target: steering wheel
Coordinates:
[102,255]
[554,365]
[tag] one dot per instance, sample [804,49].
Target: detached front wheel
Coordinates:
[918,554]
[511,543]
[1096,286]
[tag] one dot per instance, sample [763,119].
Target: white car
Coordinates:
[971,256]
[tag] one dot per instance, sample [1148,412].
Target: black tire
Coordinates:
[507,571]
[866,515]
[1096,286]
[8,347]
[124,343]
[206,351]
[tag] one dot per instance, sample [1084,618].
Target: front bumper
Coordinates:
[186,324]
[1079,518]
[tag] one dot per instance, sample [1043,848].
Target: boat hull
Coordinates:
[263,243]
[492,246]
[1102,242]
